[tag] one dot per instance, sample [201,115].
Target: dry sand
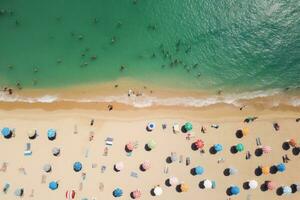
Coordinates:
[126,125]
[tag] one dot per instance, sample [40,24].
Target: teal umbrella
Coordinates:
[239,147]
[188,126]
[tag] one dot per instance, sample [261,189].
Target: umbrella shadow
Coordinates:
[233,150]
[258,171]
[273,169]
[246,185]
[167,183]
[115,169]
[294,188]
[279,191]
[193,172]
[178,189]
[127,150]
[264,186]
[228,192]
[142,168]
[201,185]
[194,147]
[212,150]
[285,146]
[169,160]
[183,129]
[239,133]
[148,129]
[226,172]
[296,151]
[258,152]
[131,195]
[152,192]
[147,148]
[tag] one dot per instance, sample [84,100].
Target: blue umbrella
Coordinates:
[53,185]
[51,134]
[199,170]
[234,190]
[281,167]
[218,147]
[6,132]
[117,192]
[77,166]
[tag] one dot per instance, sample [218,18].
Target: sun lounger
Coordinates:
[5,187]
[176,128]
[187,161]
[101,186]
[3,167]
[134,174]
[109,141]
[103,168]
[28,151]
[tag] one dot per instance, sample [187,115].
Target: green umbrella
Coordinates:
[239,147]
[188,126]
[151,144]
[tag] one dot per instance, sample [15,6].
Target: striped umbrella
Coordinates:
[146,165]
[266,149]
[70,194]
[271,185]
[173,180]
[136,194]
[119,166]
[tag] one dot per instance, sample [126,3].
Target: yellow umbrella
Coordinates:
[265,170]
[245,131]
[184,187]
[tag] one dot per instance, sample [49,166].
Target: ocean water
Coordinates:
[233,45]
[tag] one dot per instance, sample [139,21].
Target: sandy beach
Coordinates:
[129,125]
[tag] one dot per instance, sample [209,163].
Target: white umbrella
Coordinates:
[173,180]
[298,187]
[119,166]
[253,184]
[232,171]
[151,126]
[158,191]
[207,183]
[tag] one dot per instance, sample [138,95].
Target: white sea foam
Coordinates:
[147,101]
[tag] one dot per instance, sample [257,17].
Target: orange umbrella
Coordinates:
[245,131]
[265,170]
[293,142]
[199,144]
[184,187]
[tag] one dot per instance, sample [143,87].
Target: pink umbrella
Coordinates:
[136,194]
[267,149]
[271,185]
[119,166]
[129,146]
[146,165]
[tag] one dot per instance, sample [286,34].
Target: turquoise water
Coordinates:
[253,44]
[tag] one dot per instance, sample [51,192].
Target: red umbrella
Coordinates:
[146,165]
[136,194]
[267,149]
[199,144]
[271,185]
[129,146]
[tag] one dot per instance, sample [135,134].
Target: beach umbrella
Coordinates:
[173,157]
[19,192]
[173,180]
[281,167]
[213,184]
[77,166]
[119,166]
[265,170]
[266,149]
[51,134]
[6,132]
[129,146]
[234,190]
[56,151]
[184,187]
[218,147]
[239,147]
[70,194]
[232,171]
[293,142]
[47,168]
[136,194]
[207,183]
[118,192]
[151,144]
[287,190]
[199,170]
[146,165]
[188,126]
[32,134]
[245,131]
[271,185]
[151,126]
[53,185]
[253,184]
[199,144]
[157,191]
[298,187]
